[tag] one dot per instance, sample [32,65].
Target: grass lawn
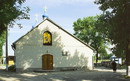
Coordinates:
[127,77]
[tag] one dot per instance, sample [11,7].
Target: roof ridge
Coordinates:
[58,27]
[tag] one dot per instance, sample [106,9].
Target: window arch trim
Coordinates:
[47,38]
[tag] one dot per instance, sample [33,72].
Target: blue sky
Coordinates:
[63,12]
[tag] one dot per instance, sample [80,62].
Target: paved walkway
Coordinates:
[99,74]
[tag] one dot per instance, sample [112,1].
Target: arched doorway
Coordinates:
[47,62]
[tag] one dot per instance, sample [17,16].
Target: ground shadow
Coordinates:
[63,76]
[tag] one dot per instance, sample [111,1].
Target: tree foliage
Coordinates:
[2,41]
[117,18]
[10,12]
[85,29]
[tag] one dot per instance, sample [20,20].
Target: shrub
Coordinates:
[12,68]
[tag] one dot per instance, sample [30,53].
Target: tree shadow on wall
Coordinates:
[30,48]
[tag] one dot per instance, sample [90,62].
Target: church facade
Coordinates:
[49,47]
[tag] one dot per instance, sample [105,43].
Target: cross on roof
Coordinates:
[45,9]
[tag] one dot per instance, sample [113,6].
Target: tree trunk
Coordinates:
[128,60]
[96,57]
[128,41]
[7,48]
[128,70]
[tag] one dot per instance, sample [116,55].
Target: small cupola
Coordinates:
[45,15]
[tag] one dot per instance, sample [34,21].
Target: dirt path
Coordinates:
[99,74]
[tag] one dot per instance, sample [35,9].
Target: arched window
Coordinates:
[47,38]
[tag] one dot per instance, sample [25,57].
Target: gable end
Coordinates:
[59,28]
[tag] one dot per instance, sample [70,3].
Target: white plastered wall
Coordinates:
[29,49]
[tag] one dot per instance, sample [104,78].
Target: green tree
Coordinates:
[85,29]
[2,41]
[116,15]
[10,11]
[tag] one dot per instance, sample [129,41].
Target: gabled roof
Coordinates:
[59,28]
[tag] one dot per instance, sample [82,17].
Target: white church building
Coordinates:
[50,47]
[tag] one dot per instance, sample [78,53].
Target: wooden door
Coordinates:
[47,62]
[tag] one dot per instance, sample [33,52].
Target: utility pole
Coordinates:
[6,48]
